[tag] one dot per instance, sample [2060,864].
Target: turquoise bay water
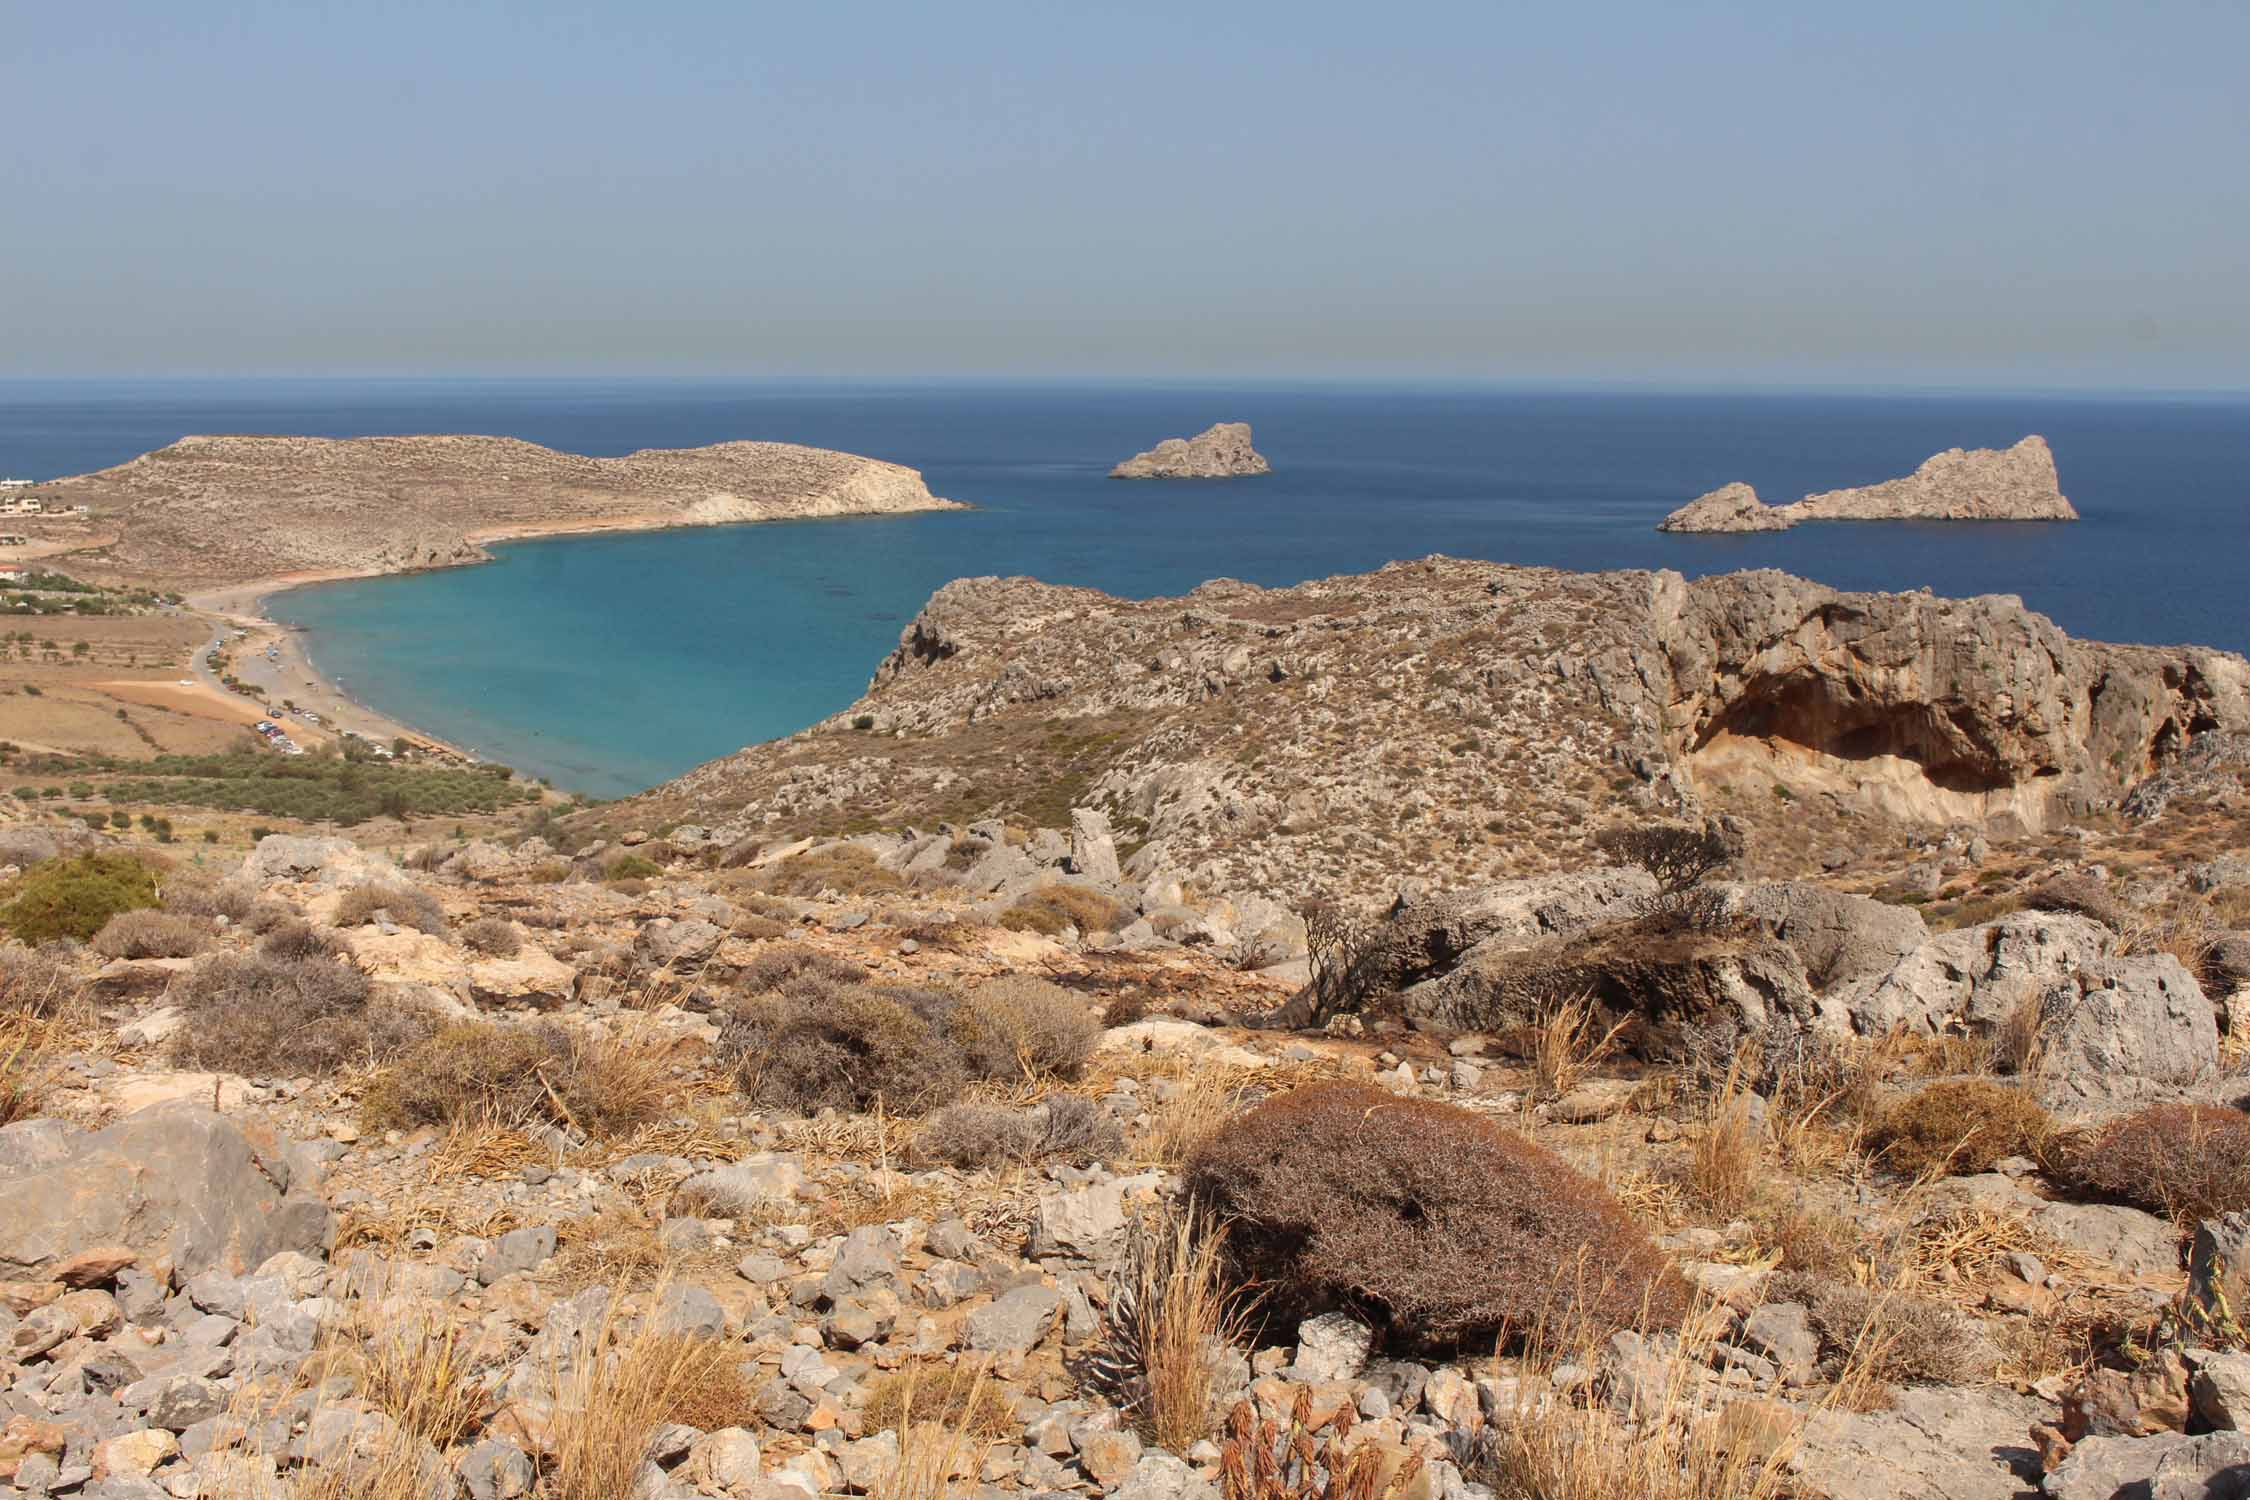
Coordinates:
[610,663]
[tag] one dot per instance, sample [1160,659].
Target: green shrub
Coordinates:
[76,897]
[151,934]
[1679,855]
[631,866]
[2189,1161]
[248,1013]
[405,905]
[1432,1221]
[1052,908]
[1959,1127]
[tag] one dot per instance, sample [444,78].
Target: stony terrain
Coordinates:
[228,509]
[1220,451]
[613,1232]
[1981,484]
[1449,722]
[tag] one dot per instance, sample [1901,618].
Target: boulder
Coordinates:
[1840,937]
[480,860]
[174,1182]
[1935,1443]
[532,974]
[682,946]
[1975,976]
[1015,1321]
[2141,1017]
[1427,937]
[1093,847]
[315,861]
[1220,451]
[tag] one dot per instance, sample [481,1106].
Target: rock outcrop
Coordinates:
[1979,484]
[1461,722]
[230,509]
[1220,451]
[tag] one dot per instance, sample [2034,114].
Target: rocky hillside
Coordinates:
[229,509]
[1981,484]
[1454,721]
[522,1171]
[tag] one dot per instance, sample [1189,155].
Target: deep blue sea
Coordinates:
[610,663]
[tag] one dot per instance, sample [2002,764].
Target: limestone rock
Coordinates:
[2142,1017]
[1982,484]
[1975,977]
[1220,451]
[1730,507]
[1093,848]
[315,861]
[176,1182]
[1935,1443]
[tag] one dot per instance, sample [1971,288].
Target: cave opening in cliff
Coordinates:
[1831,719]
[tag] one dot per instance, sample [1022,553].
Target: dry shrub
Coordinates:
[846,869]
[493,937]
[950,1393]
[478,1072]
[983,1135]
[1124,1009]
[841,1046]
[1019,1025]
[34,985]
[1433,1221]
[248,1013]
[2081,895]
[295,938]
[1172,1317]
[1679,855]
[723,1391]
[27,1068]
[616,1247]
[1895,1336]
[2188,1161]
[1958,1128]
[148,933]
[1052,908]
[788,964]
[231,899]
[1807,1239]
[403,905]
[1301,1459]
[759,929]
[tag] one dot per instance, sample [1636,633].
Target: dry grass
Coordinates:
[1568,1044]
[950,1393]
[1053,908]
[418,1374]
[1196,1103]
[1171,1318]
[477,1073]
[1301,1459]
[616,1247]
[2187,1161]
[937,1460]
[610,1401]
[1958,1127]
[1722,1170]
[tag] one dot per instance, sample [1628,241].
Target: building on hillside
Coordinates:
[16,503]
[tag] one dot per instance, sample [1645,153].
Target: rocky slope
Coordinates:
[1459,720]
[1220,451]
[229,509]
[1983,484]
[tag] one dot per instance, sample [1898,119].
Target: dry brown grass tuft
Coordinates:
[1172,1317]
[147,933]
[1568,1044]
[1723,1168]
[1301,1459]
[417,1373]
[405,905]
[609,1405]
[1052,908]
[846,869]
[1191,1105]
[479,1073]
[937,1460]
[950,1393]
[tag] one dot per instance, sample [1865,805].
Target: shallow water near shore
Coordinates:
[609,663]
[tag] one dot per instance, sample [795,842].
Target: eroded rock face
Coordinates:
[1979,484]
[1220,451]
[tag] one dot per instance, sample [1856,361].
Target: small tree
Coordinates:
[1679,855]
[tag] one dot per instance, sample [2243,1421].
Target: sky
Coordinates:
[2012,192]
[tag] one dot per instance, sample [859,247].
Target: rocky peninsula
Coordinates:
[1981,484]
[213,510]
[1220,451]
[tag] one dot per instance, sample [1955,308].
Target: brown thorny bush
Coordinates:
[981,1135]
[1051,908]
[1960,1127]
[249,1013]
[1895,1336]
[295,938]
[2189,1161]
[152,934]
[817,1041]
[1431,1220]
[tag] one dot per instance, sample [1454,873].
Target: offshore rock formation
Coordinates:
[1220,451]
[213,509]
[1457,721]
[1983,484]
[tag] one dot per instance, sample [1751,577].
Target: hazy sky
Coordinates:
[2018,191]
